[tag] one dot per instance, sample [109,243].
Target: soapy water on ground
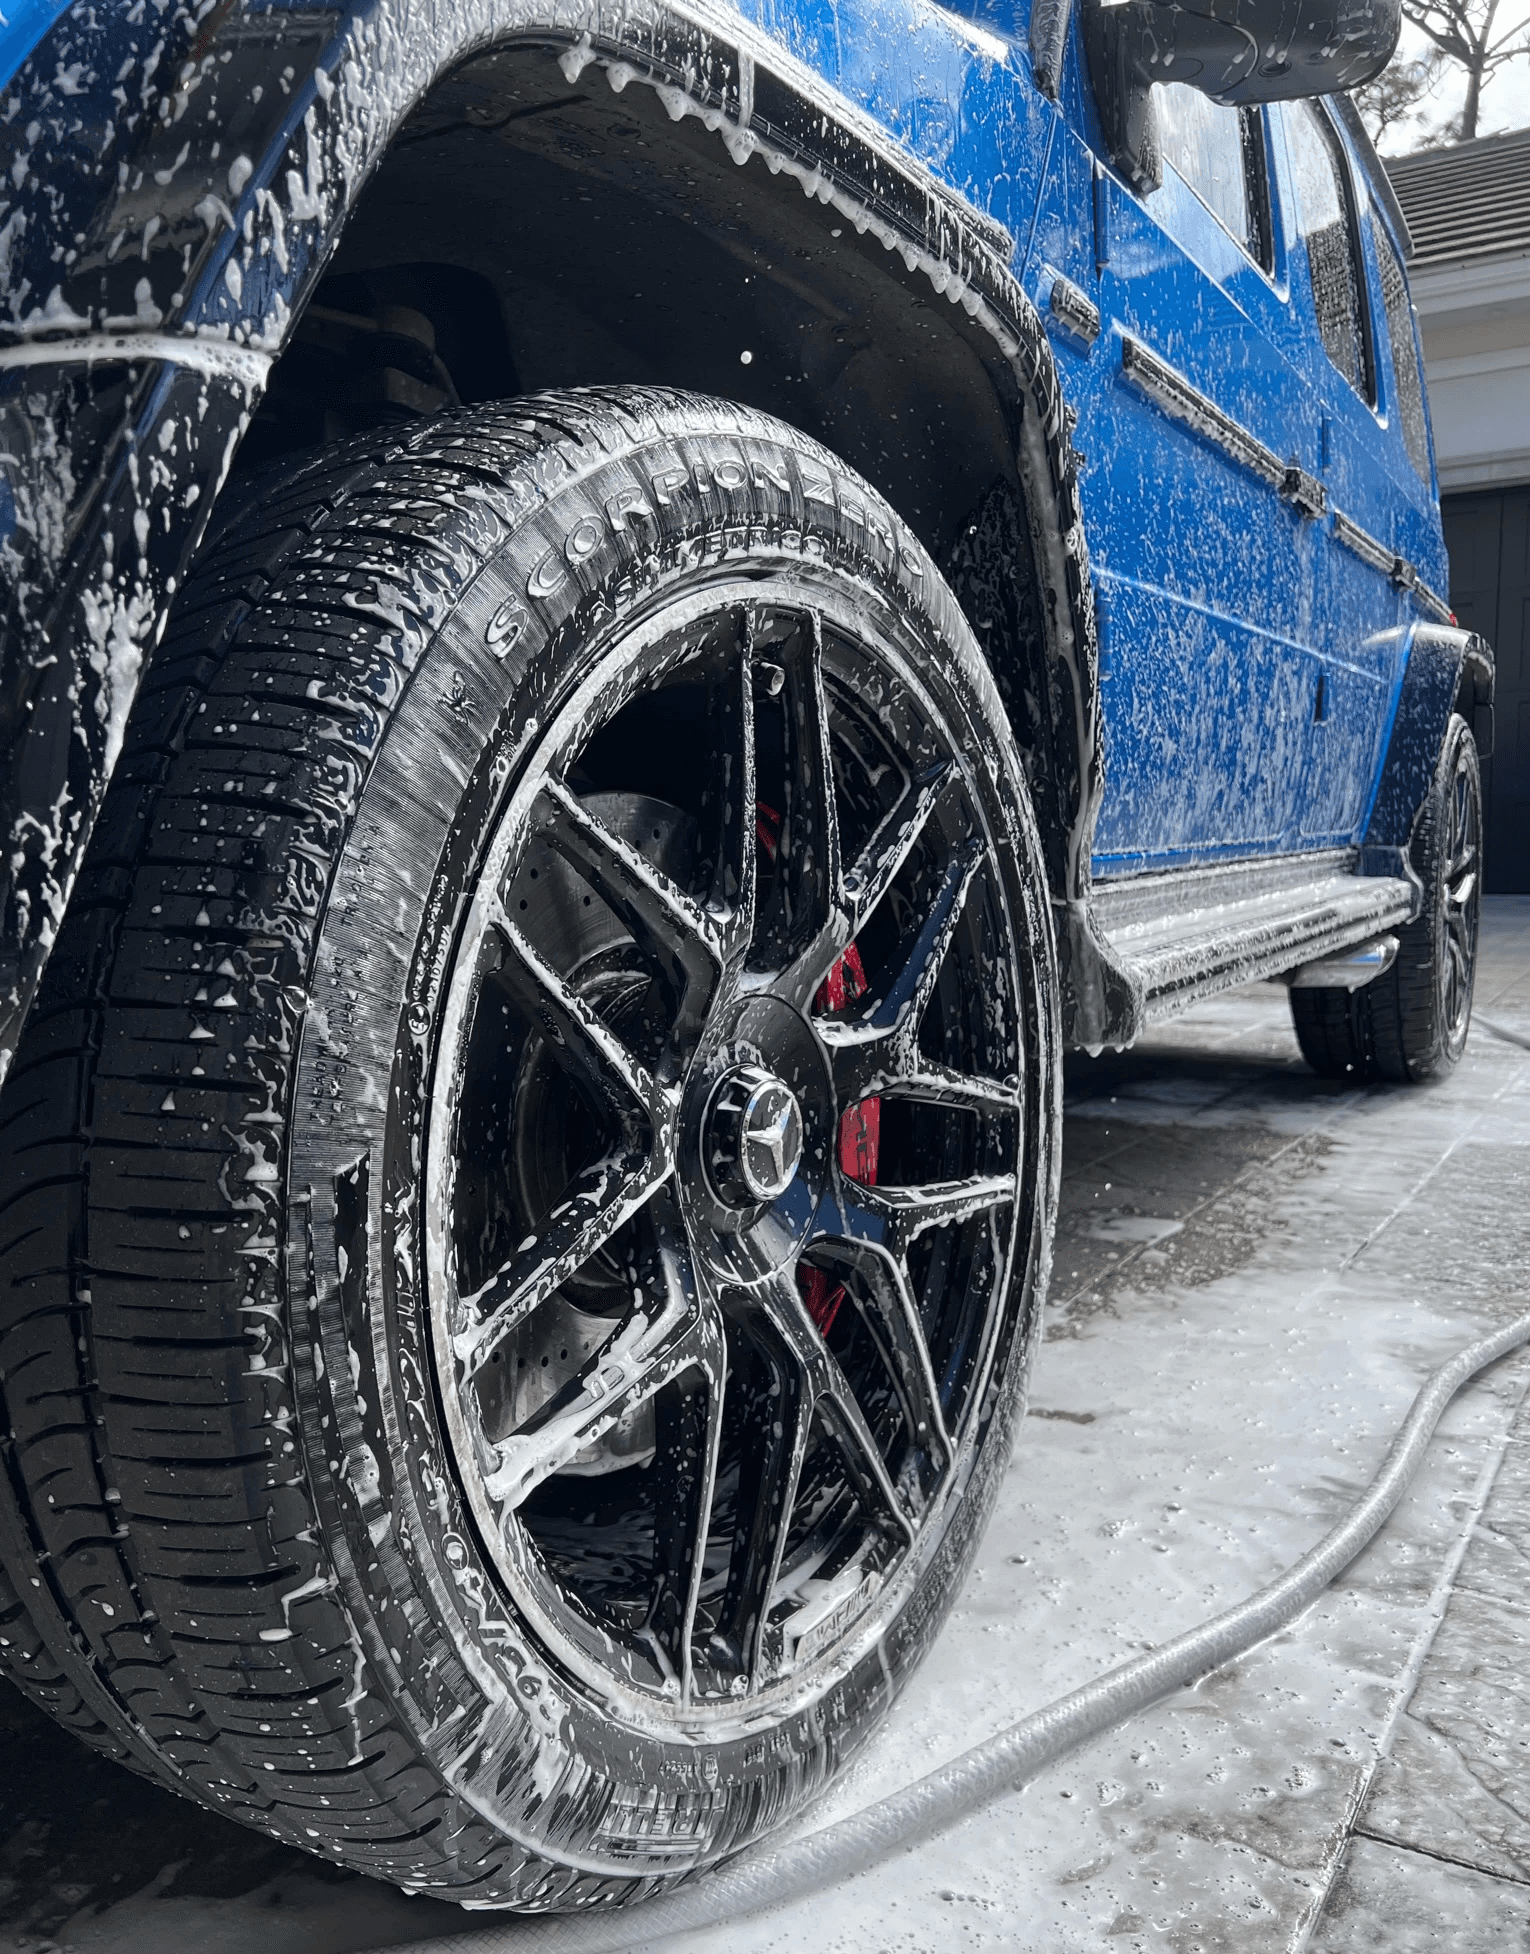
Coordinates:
[1255,1270]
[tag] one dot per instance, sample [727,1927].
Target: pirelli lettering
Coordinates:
[706,485]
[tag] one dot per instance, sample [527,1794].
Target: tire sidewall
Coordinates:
[1429,1045]
[1459,749]
[506,1726]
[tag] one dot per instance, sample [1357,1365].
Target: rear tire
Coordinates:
[1411,1023]
[483,860]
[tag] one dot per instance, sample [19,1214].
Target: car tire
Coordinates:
[529,1185]
[1410,1023]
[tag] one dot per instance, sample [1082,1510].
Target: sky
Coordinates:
[1505,101]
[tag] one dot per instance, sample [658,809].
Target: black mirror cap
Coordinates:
[1239,52]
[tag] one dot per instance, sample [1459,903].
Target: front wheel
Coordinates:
[1411,1022]
[569,1028]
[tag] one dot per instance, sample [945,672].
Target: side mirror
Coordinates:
[1238,52]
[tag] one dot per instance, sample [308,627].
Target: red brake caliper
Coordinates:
[860,1138]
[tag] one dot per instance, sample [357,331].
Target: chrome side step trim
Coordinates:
[1189,933]
[1351,971]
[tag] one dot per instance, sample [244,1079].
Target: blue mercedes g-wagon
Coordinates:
[620,620]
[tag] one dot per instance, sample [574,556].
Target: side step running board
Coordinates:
[1187,933]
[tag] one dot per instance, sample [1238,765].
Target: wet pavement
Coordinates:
[1255,1271]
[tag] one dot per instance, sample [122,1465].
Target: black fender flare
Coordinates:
[126,383]
[1448,670]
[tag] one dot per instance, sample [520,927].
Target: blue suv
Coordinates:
[620,621]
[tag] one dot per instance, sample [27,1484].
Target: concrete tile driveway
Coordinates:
[1254,1272]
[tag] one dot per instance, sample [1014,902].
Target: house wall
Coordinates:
[1475,319]
[1476,325]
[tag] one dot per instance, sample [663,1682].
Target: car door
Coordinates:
[1200,527]
[1362,367]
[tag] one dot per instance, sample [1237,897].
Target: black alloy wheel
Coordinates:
[1458,880]
[571,997]
[1410,1024]
[722,1244]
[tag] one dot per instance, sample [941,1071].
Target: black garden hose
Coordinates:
[772,1875]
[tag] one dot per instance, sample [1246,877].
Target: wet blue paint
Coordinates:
[23,23]
[1250,664]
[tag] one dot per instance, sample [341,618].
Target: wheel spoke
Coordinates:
[599,1201]
[863,1457]
[884,1043]
[728,797]
[864,886]
[667,1334]
[687,942]
[810,827]
[580,1040]
[887,1307]
[1458,964]
[1463,838]
[688,1428]
[890,847]
[891,1217]
[831,1388]
[812,920]
[923,952]
[777,1414]
[938,1085]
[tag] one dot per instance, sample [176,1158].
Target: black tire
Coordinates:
[1410,1023]
[427,904]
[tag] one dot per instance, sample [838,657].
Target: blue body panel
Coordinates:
[23,23]
[1220,608]
[1250,656]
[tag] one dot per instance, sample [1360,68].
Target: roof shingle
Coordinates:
[1469,201]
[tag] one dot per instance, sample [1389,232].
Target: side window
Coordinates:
[1409,387]
[1220,153]
[1328,225]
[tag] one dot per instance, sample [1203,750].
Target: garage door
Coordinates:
[1488,536]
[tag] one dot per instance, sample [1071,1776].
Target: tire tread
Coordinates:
[186,1600]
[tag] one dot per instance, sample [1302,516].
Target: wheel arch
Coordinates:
[975,363]
[810,269]
[817,225]
[1447,670]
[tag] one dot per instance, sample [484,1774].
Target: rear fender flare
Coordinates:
[1447,670]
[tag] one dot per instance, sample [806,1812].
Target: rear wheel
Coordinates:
[529,1189]
[1411,1022]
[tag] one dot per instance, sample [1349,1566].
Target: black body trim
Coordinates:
[1173,394]
[1448,670]
[1402,574]
[1073,308]
[1377,180]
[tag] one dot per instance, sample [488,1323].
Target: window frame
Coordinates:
[1261,189]
[1391,411]
[1367,393]
[1258,189]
